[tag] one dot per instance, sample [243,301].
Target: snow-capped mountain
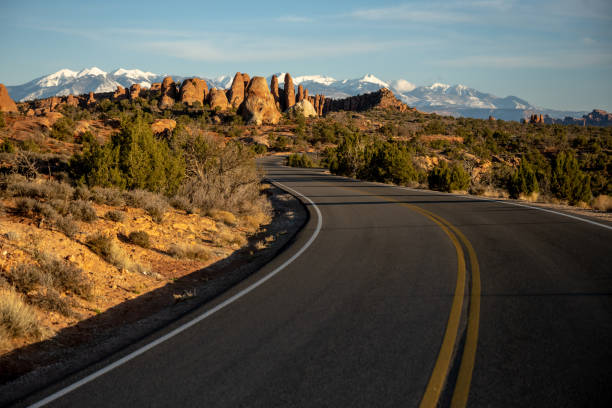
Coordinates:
[66,81]
[456,100]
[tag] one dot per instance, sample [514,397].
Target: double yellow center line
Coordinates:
[445,356]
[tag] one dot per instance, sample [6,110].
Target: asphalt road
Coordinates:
[402,298]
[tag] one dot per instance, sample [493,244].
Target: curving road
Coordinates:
[400,298]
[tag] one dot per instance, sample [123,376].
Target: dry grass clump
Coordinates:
[67,226]
[12,235]
[182,203]
[20,186]
[26,278]
[82,210]
[190,251]
[140,238]
[154,204]
[602,203]
[108,249]
[108,196]
[115,216]
[24,206]
[223,216]
[17,319]
[50,299]
[229,237]
[65,275]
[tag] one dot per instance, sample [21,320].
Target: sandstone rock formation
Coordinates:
[289,92]
[491,118]
[246,79]
[134,91]
[305,107]
[305,93]
[383,98]
[217,99]
[259,105]
[91,99]
[155,86]
[535,118]
[162,125]
[119,93]
[71,100]
[193,90]
[6,103]
[274,90]
[300,94]
[236,91]
[168,93]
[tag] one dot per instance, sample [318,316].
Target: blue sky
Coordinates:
[555,54]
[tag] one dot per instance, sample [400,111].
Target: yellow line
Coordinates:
[442,366]
[468,358]
[464,379]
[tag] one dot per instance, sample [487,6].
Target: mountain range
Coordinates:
[456,100]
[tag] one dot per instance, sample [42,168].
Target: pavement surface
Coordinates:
[397,297]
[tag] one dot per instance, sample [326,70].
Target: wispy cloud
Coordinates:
[557,61]
[411,13]
[221,50]
[294,19]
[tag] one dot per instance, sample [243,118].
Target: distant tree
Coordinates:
[448,178]
[568,182]
[523,180]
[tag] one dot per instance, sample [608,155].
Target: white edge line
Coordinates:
[474,197]
[185,326]
[492,200]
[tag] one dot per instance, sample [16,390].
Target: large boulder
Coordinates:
[259,105]
[168,93]
[6,103]
[163,125]
[193,90]
[218,99]
[289,92]
[236,92]
[304,107]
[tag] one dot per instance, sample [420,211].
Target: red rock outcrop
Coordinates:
[193,90]
[119,93]
[274,90]
[6,103]
[91,99]
[217,99]
[246,79]
[289,92]
[491,118]
[305,93]
[259,105]
[300,94]
[162,125]
[155,86]
[383,98]
[71,100]
[535,118]
[168,93]
[135,91]
[236,91]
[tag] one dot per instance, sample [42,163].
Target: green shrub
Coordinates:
[132,159]
[7,146]
[63,129]
[448,178]
[65,275]
[568,182]
[300,160]
[388,162]
[26,278]
[523,180]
